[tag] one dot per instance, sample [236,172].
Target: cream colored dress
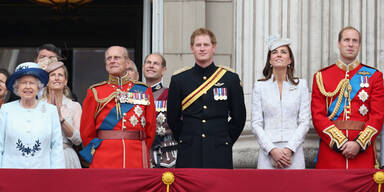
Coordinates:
[71,112]
[281,123]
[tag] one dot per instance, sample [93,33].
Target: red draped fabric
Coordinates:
[187,180]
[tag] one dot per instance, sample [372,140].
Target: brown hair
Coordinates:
[49,47]
[163,62]
[66,90]
[4,72]
[348,28]
[203,31]
[268,70]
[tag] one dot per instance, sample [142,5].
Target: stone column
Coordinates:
[242,27]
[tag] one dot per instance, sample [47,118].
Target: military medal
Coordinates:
[220,90]
[215,94]
[138,111]
[364,82]
[133,120]
[157,106]
[164,106]
[363,110]
[130,97]
[361,81]
[137,98]
[161,131]
[225,94]
[145,99]
[363,95]
[160,118]
[161,105]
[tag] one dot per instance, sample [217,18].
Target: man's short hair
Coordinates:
[163,62]
[125,51]
[203,31]
[348,28]
[50,47]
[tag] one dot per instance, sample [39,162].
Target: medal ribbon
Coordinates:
[110,121]
[355,83]
[212,80]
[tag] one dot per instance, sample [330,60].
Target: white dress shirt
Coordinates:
[280,120]
[30,138]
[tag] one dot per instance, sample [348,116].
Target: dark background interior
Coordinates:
[98,24]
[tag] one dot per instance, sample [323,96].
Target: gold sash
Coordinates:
[203,88]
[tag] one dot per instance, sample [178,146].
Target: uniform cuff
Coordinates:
[336,135]
[365,136]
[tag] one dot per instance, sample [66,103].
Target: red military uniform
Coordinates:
[357,115]
[118,124]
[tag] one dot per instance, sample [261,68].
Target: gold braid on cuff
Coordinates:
[336,135]
[365,136]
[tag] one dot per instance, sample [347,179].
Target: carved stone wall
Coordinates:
[242,27]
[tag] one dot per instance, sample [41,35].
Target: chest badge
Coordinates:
[363,96]
[363,110]
[219,84]
[220,94]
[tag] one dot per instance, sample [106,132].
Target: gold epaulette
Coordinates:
[182,70]
[140,83]
[97,84]
[227,68]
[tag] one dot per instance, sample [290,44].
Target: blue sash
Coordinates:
[109,123]
[355,83]
[110,120]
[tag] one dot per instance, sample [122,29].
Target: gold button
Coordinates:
[203,135]
[203,121]
[226,143]
[181,141]
[205,78]
[205,107]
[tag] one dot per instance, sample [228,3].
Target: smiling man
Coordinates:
[163,152]
[118,120]
[347,101]
[206,110]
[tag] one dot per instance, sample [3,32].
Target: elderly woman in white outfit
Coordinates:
[280,110]
[30,132]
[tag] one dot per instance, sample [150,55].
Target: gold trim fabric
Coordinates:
[336,135]
[366,136]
